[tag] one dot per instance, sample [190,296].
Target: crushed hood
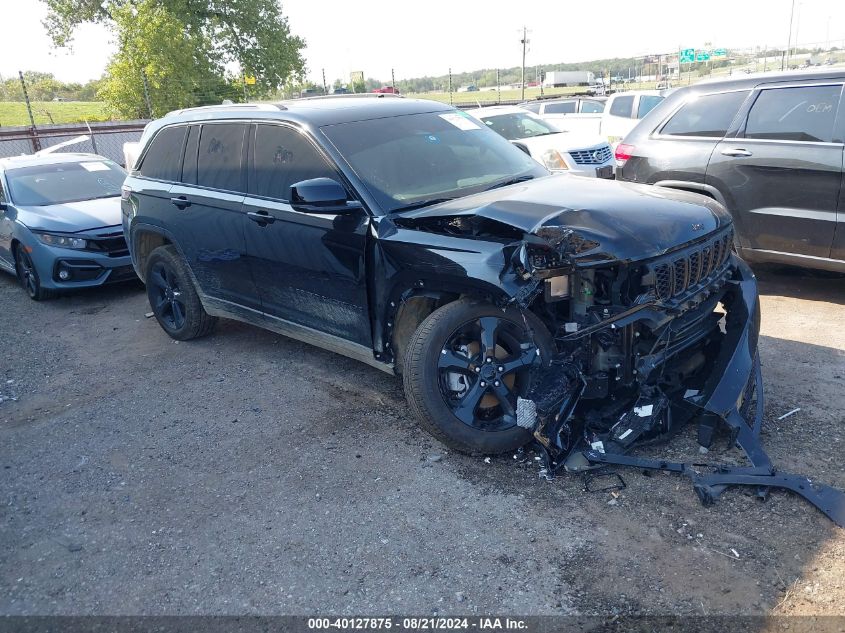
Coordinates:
[627,222]
[73,217]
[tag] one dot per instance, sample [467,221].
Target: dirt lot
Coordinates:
[248,473]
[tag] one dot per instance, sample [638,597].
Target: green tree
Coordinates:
[211,34]
[175,63]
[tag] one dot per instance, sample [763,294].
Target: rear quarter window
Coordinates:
[708,115]
[592,107]
[163,159]
[794,114]
[647,104]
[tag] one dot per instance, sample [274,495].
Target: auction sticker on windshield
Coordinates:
[460,121]
[95,166]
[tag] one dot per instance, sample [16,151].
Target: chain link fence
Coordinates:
[105,139]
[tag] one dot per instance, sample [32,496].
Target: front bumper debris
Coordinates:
[732,398]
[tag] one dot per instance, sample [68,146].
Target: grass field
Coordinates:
[486,95]
[14,112]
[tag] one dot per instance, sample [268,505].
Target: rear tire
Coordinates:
[173,297]
[449,381]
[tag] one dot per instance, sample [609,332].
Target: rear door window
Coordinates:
[622,106]
[163,159]
[794,114]
[708,115]
[283,157]
[220,157]
[567,107]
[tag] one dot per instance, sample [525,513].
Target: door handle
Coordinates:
[262,217]
[180,202]
[735,151]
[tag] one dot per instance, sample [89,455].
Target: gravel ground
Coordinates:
[248,473]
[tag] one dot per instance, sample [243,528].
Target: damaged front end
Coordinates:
[655,323]
[642,350]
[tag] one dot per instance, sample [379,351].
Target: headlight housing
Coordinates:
[62,241]
[553,159]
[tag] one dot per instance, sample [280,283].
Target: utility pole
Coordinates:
[36,142]
[789,41]
[450,86]
[325,89]
[26,99]
[147,99]
[498,88]
[243,83]
[392,79]
[524,42]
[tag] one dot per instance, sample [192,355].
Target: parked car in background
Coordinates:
[340,90]
[624,110]
[769,147]
[574,114]
[386,90]
[60,225]
[408,235]
[578,154]
[611,117]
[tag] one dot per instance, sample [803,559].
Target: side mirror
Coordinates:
[320,195]
[522,147]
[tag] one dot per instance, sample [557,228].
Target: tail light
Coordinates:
[623,153]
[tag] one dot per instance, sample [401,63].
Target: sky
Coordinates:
[427,37]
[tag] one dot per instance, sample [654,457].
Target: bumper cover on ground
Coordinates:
[733,397]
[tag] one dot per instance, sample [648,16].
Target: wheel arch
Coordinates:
[411,304]
[144,239]
[694,187]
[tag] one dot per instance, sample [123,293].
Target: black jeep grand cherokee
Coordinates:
[401,233]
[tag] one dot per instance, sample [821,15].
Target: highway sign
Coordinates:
[687,56]
[720,52]
[702,56]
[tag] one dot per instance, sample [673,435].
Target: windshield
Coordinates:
[42,185]
[515,125]
[407,159]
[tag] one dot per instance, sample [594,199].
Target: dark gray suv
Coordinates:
[769,147]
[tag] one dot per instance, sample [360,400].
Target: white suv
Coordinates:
[579,154]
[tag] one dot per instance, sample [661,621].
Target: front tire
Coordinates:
[466,365]
[173,298]
[28,276]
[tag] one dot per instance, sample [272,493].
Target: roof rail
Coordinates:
[230,106]
[353,95]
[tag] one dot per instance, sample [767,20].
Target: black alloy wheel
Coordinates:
[167,299]
[482,368]
[464,368]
